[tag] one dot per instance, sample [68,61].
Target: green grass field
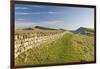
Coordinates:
[69,48]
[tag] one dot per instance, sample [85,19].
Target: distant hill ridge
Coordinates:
[44,28]
[85,31]
[81,30]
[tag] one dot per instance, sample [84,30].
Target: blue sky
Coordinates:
[69,18]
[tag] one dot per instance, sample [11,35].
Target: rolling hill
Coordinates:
[44,28]
[67,49]
[84,31]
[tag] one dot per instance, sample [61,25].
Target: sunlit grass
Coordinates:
[69,48]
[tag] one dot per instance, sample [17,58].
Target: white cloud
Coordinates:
[20,19]
[25,13]
[22,13]
[36,13]
[52,12]
[36,6]
[21,8]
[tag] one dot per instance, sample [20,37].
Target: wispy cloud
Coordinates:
[21,8]
[22,13]
[52,12]
[35,13]
[37,6]
[26,13]
[20,19]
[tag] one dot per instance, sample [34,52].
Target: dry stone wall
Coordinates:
[25,41]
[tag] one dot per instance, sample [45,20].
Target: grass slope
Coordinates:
[69,48]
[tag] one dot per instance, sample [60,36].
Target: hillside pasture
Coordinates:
[68,48]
